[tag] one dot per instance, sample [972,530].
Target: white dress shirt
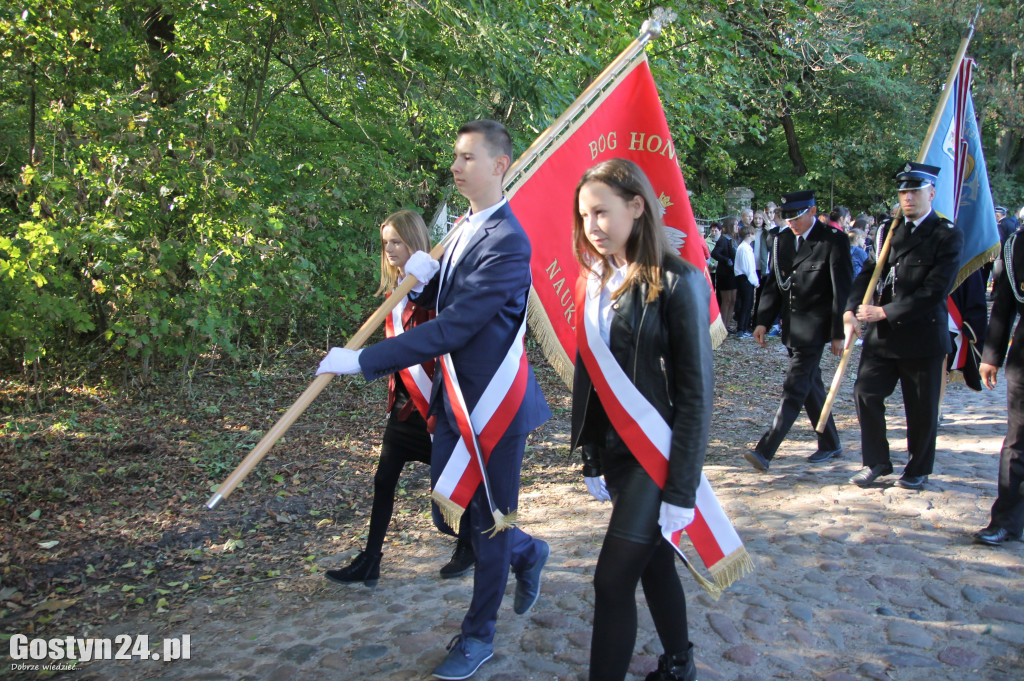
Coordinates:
[605,309]
[745,265]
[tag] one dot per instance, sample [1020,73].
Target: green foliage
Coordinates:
[183,179]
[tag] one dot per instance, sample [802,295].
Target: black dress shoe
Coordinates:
[756,460]
[463,560]
[994,536]
[678,667]
[912,481]
[869,475]
[364,568]
[824,455]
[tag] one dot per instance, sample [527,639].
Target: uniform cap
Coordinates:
[916,175]
[795,204]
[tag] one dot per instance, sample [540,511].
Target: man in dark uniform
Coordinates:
[907,337]
[1006,225]
[809,282]
[1008,510]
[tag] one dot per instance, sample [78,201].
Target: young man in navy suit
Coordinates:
[480,292]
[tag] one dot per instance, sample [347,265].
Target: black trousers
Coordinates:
[403,442]
[744,303]
[802,387]
[921,380]
[1008,509]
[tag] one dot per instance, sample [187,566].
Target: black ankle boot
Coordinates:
[463,560]
[365,568]
[678,667]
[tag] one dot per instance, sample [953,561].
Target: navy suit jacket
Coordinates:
[479,311]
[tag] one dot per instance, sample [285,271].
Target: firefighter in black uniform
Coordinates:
[907,337]
[809,282]
[1008,510]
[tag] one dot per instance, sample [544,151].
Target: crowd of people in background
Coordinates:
[724,238]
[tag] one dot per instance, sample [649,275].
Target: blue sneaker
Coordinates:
[465,655]
[774,331]
[528,582]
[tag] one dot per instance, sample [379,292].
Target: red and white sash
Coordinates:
[649,438]
[416,379]
[480,431]
[960,344]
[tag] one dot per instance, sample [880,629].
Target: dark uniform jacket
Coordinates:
[665,349]
[914,285]
[819,279]
[1006,307]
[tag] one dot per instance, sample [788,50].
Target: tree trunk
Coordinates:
[793,146]
[32,158]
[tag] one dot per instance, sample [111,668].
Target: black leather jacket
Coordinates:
[665,349]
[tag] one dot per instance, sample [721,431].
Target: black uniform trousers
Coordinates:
[801,388]
[1008,509]
[921,381]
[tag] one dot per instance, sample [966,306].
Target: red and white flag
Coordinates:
[626,121]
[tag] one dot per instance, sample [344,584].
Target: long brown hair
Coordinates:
[413,233]
[647,244]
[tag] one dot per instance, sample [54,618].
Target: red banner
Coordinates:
[626,121]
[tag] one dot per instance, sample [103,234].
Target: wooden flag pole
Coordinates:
[883,255]
[651,29]
[319,383]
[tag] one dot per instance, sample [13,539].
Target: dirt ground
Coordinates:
[105,534]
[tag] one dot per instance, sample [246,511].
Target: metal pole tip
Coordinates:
[214,501]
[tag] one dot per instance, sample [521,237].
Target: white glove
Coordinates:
[340,361]
[597,488]
[673,518]
[421,266]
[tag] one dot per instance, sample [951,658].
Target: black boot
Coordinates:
[678,667]
[463,560]
[365,568]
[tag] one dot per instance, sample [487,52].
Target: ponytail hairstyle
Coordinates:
[413,233]
[647,245]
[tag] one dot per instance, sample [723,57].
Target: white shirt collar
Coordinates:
[472,225]
[913,224]
[476,220]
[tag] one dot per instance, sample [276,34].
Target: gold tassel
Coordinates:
[731,568]
[450,511]
[502,522]
[718,332]
[713,589]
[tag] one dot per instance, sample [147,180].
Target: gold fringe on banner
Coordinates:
[718,332]
[544,333]
[974,263]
